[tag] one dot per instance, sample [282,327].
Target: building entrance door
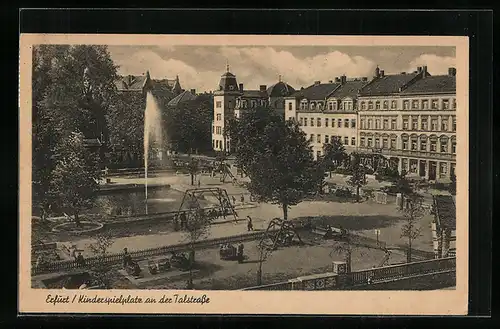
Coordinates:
[422,168]
[432,170]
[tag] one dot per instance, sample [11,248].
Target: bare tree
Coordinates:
[99,248]
[264,253]
[413,212]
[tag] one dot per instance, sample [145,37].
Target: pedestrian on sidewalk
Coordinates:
[249,224]
[242,199]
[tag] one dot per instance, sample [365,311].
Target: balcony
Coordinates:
[409,153]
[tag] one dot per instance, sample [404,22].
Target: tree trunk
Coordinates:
[259,273]
[192,179]
[285,211]
[77,219]
[348,262]
[408,254]
[357,193]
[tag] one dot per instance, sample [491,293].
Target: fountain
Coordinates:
[152,135]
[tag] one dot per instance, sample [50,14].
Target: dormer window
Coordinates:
[231,87]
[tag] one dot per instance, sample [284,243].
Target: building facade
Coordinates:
[411,117]
[327,110]
[233,100]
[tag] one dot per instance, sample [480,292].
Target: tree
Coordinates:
[75,180]
[358,174]
[413,212]
[264,253]
[198,227]
[402,185]
[346,247]
[453,185]
[101,270]
[277,158]
[334,154]
[194,168]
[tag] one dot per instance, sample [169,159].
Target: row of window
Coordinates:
[344,140]
[332,106]
[217,144]
[346,123]
[411,166]
[427,123]
[217,130]
[410,143]
[243,103]
[416,104]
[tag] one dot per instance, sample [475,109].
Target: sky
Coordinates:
[200,67]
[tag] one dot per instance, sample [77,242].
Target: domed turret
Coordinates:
[228,81]
[280,89]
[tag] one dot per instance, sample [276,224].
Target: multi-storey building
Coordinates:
[411,117]
[232,100]
[327,110]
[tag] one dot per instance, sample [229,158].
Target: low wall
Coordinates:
[427,281]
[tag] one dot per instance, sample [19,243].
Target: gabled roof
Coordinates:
[348,89]
[317,91]
[182,97]
[131,82]
[433,84]
[388,84]
[445,211]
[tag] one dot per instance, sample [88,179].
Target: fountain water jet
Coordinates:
[152,134]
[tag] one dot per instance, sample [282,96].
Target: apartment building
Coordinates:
[327,110]
[411,117]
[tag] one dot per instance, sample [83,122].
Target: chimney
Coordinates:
[343,79]
[403,72]
[317,82]
[263,87]
[337,79]
[382,73]
[330,81]
[193,91]
[364,79]
[424,71]
[452,71]
[419,69]
[241,87]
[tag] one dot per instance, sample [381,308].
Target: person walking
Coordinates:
[249,224]
[242,199]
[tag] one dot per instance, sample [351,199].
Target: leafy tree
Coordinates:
[264,253]
[413,212]
[358,174]
[334,154]
[75,180]
[277,157]
[194,168]
[102,271]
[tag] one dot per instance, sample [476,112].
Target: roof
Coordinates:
[317,91]
[445,211]
[254,93]
[349,89]
[280,89]
[131,82]
[388,84]
[433,84]
[227,80]
[182,97]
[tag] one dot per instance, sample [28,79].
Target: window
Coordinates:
[346,140]
[413,144]
[362,142]
[363,124]
[434,124]
[414,104]
[213,129]
[327,139]
[346,123]
[405,124]
[330,106]
[219,117]
[454,124]
[377,124]
[434,104]
[425,104]
[423,144]
[406,105]
[414,123]
[385,143]
[313,106]
[405,142]
[377,142]
[339,123]
[312,122]
[311,138]
[370,122]
[326,122]
[446,104]
[303,105]
[404,164]
[393,142]
[370,142]
[305,122]
[370,105]
[393,124]
[433,145]
[393,104]
[386,105]
[318,138]
[363,105]
[386,123]
[353,123]
[413,166]
[289,106]
[218,104]
[333,123]
[443,169]
[377,105]
[423,123]
[454,104]
[444,124]
[320,106]
[301,121]
[444,146]
[253,103]
[353,141]
[335,106]
[318,122]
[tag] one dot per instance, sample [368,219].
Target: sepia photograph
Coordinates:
[242,166]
